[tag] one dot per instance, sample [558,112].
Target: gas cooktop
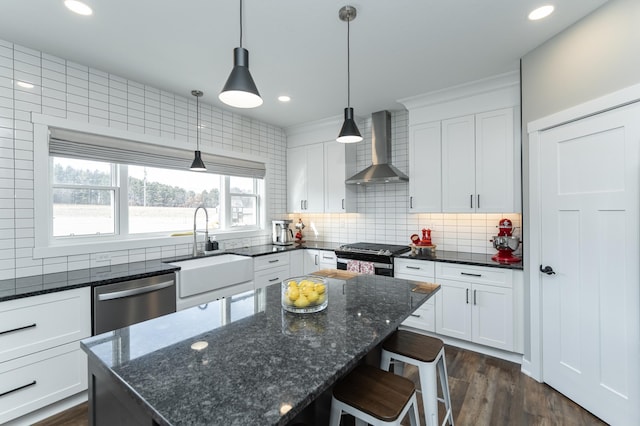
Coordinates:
[374,248]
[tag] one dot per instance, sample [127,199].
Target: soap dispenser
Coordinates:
[209,245]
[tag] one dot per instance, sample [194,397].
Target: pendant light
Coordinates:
[349,132]
[198,164]
[240,91]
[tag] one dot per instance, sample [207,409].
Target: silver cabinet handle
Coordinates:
[343,204]
[17,389]
[24,327]
[317,259]
[274,261]
[135,291]
[301,204]
[272,280]
[328,257]
[478,201]
[414,315]
[470,275]
[411,202]
[474,297]
[467,291]
[412,267]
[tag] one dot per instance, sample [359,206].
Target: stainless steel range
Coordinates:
[381,255]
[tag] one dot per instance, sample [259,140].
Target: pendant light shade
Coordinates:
[240,90]
[198,164]
[349,132]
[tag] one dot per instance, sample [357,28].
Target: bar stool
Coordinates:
[427,353]
[375,397]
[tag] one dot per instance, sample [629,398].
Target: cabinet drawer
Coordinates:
[271,276]
[270,261]
[423,318]
[328,259]
[411,269]
[41,322]
[474,274]
[34,381]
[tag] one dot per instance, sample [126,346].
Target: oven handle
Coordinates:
[375,264]
[134,291]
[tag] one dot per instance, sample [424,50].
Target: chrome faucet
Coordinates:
[195,232]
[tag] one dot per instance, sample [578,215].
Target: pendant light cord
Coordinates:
[348,65]
[198,123]
[240,23]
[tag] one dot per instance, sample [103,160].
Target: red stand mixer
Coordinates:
[505,243]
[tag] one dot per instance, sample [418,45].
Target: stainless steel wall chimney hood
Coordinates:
[381,171]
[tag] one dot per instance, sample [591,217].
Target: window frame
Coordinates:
[42,233]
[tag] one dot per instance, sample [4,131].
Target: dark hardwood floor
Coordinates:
[484,391]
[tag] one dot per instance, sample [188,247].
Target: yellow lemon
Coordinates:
[321,299]
[293,293]
[301,302]
[312,296]
[293,284]
[320,288]
[287,301]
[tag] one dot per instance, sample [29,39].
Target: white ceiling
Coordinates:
[399,48]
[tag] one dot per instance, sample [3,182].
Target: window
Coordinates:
[100,199]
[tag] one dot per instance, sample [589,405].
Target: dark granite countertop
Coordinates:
[260,365]
[266,249]
[48,283]
[477,259]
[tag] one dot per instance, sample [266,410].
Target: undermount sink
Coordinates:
[204,279]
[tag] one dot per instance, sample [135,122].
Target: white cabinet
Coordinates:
[422,318]
[314,260]
[40,357]
[270,269]
[477,304]
[478,163]
[296,262]
[338,197]
[425,183]
[305,179]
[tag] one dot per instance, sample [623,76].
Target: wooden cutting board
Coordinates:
[336,273]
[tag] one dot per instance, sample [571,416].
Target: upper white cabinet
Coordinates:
[305,179]
[335,190]
[478,163]
[425,180]
[464,148]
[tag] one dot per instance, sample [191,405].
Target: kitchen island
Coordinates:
[242,360]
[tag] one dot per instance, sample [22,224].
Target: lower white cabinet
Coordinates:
[271,269]
[424,317]
[40,357]
[314,260]
[476,304]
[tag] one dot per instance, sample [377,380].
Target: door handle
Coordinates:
[24,327]
[343,204]
[18,388]
[134,291]
[273,280]
[547,270]
[474,297]
[467,292]
[478,203]
[471,200]
[410,202]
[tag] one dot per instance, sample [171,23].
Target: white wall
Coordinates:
[383,209]
[76,92]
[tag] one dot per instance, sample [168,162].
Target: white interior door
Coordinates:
[589,194]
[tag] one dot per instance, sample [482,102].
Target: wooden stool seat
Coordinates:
[413,345]
[374,396]
[427,353]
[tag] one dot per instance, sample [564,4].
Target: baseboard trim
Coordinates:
[50,410]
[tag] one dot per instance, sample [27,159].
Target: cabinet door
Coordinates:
[315,179]
[492,316]
[453,309]
[335,170]
[495,162]
[296,179]
[458,165]
[425,179]
[296,262]
[311,261]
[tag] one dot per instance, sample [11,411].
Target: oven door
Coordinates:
[385,269]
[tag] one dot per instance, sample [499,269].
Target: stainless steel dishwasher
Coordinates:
[128,302]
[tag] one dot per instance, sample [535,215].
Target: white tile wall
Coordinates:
[73,91]
[383,209]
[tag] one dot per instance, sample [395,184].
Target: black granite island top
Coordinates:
[244,360]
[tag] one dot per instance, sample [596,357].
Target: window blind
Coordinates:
[87,146]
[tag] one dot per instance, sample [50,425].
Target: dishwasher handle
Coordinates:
[134,291]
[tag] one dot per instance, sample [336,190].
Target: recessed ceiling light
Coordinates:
[541,12]
[78,7]
[25,84]
[284,98]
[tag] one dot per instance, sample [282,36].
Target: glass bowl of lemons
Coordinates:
[304,294]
